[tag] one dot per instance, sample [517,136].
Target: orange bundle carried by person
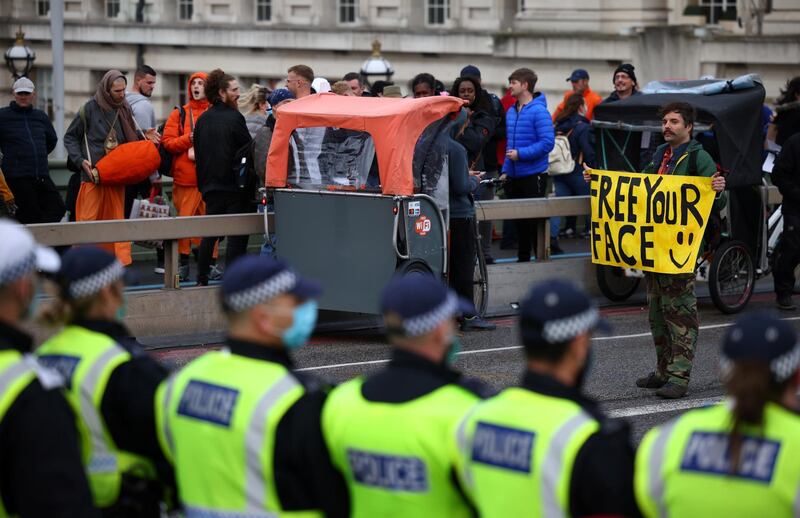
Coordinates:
[128,163]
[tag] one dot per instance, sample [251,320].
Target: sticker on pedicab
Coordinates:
[413,209]
[422,226]
[649,222]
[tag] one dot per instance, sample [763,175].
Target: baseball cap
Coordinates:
[23,84]
[279,95]
[253,279]
[578,74]
[416,303]
[470,71]
[20,254]
[555,312]
[762,337]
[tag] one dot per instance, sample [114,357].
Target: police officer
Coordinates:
[387,433]
[544,449]
[240,425]
[738,458]
[110,383]
[40,463]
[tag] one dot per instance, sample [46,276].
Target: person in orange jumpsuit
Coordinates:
[102,124]
[178,140]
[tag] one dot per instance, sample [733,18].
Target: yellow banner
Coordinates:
[650,222]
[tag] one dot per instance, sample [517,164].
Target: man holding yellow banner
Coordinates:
[655,222]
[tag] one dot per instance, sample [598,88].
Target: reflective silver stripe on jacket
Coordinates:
[465,446]
[655,465]
[553,465]
[102,460]
[192,511]
[165,428]
[797,502]
[255,478]
[14,372]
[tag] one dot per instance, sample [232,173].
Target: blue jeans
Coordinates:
[571,184]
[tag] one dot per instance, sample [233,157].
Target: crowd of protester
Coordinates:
[508,137]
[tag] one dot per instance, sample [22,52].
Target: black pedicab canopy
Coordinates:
[732,109]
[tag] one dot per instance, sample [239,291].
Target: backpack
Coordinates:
[244,171]
[165,169]
[560,160]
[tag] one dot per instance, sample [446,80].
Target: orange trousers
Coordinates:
[104,202]
[189,202]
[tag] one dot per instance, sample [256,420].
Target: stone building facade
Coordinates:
[257,40]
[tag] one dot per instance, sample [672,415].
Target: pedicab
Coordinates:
[729,126]
[360,192]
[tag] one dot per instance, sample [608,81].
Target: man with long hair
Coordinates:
[218,137]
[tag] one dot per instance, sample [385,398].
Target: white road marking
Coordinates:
[512,347]
[667,406]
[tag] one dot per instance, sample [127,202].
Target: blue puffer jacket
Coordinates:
[530,132]
[26,138]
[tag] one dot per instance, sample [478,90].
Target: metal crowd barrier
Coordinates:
[170,230]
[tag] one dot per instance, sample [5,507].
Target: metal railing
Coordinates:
[170,230]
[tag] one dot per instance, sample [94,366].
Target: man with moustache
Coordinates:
[218,135]
[674,321]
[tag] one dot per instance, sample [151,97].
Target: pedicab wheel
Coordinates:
[413,266]
[732,277]
[614,284]
[480,282]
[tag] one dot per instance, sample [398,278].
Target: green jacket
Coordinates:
[705,167]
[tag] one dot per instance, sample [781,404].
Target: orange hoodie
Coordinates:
[176,139]
[590,97]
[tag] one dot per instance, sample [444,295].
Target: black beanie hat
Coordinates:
[628,69]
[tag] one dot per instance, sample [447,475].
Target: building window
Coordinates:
[438,12]
[263,10]
[42,7]
[347,11]
[717,10]
[183,80]
[185,9]
[112,8]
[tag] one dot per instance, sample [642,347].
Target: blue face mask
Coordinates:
[121,311]
[269,113]
[455,348]
[304,318]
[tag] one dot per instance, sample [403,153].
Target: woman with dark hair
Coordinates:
[572,123]
[739,457]
[787,112]
[423,85]
[475,138]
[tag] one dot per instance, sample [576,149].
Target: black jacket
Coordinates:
[304,475]
[602,476]
[786,175]
[787,121]
[476,135]
[219,134]
[26,138]
[41,474]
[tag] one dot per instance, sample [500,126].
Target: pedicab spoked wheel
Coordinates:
[480,282]
[614,284]
[732,277]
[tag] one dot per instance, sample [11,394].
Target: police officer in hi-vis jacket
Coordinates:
[240,426]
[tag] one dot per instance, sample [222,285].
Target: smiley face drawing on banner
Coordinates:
[649,222]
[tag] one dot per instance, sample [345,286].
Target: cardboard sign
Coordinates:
[650,222]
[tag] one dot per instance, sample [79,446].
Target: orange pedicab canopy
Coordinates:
[395,125]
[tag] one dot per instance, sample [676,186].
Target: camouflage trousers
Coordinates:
[674,324]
